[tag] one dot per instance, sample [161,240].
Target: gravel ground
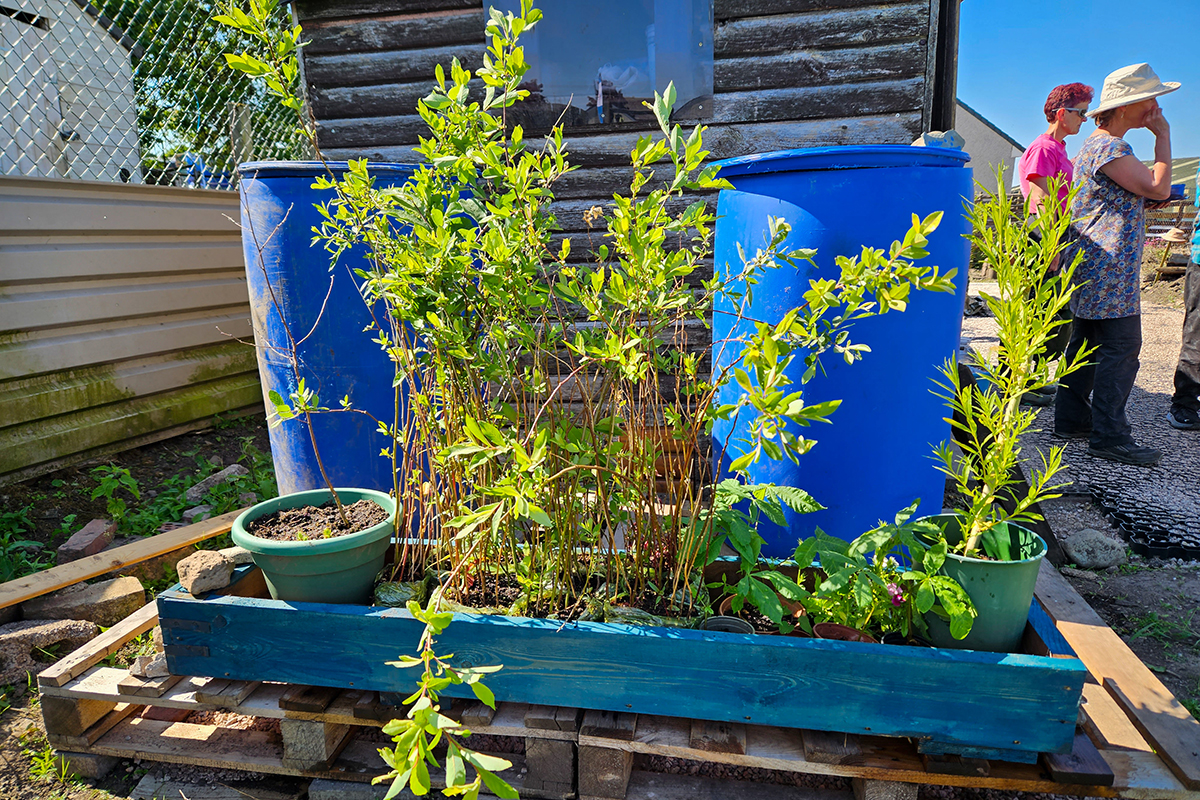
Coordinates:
[1159,502]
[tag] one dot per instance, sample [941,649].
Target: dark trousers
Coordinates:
[1187,374]
[1107,379]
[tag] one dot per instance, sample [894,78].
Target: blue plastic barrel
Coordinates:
[876,457]
[336,356]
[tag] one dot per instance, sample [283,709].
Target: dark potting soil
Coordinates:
[309,523]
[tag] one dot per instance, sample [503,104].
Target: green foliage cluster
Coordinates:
[19,556]
[541,393]
[424,727]
[988,415]
[185,95]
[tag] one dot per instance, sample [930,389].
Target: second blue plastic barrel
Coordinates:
[324,309]
[876,457]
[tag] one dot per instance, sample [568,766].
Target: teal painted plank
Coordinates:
[955,697]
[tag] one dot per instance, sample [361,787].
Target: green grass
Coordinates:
[1160,628]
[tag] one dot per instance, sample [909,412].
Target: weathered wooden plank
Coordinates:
[830,748]
[397,32]
[313,699]
[133,686]
[103,645]
[809,68]
[733,9]
[335,10]
[724,141]
[718,737]
[819,102]
[951,764]
[47,581]
[371,131]
[808,102]
[1083,765]
[1107,725]
[819,67]
[853,27]
[357,69]
[224,693]
[380,100]
[813,684]
[92,734]
[1155,712]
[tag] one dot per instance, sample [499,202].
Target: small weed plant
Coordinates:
[424,727]
[111,481]
[19,556]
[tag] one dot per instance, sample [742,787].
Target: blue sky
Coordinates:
[1013,52]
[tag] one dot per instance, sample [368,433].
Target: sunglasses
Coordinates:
[1080,111]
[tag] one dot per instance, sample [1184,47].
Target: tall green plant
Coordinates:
[988,415]
[539,390]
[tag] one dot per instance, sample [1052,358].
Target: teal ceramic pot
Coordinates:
[341,569]
[1001,590]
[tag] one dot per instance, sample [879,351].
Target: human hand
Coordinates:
[1156,122]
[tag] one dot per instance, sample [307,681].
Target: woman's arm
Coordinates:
[1132,175]
[1038,191]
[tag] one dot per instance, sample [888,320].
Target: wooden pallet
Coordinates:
[1134,740]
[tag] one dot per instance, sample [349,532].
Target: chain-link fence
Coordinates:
[130,90]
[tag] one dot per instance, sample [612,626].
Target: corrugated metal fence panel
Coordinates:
[121,310]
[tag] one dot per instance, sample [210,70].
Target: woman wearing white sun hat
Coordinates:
[1109,221]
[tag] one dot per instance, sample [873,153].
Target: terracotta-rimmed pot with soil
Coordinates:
[325,569]
[842,633]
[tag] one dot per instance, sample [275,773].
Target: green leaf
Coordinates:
[484,694]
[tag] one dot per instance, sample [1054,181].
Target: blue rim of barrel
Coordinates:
[307,169]
[869,156]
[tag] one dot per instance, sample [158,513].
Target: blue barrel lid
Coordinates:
[868,156]
[311,169]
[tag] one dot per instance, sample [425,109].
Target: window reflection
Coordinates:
[595,64]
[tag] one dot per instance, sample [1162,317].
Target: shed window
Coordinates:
[595,63]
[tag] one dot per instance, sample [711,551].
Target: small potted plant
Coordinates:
[994,558]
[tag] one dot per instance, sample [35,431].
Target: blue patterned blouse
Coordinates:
[1110,225]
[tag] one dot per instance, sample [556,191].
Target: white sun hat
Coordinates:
[1129,85]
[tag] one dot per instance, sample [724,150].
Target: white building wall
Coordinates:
[68,106]
[988,149]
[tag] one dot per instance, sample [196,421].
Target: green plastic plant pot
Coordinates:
[340,569]
[1000,590]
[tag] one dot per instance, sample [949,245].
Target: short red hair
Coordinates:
[1066,96]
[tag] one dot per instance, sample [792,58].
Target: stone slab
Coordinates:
[105,603]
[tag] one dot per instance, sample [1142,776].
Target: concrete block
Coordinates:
[105,603]
[88,540]
[19,639]
[604,772]
[198,492]
[88,765]
[156,787]
[550,764]
[205,571]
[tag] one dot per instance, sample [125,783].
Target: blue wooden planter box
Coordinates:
[1009,706]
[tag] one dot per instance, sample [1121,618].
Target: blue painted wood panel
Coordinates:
[1005,701]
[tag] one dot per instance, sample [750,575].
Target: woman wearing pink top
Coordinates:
[1045,160]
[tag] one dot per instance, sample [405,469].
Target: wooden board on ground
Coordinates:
[1082,765]
[46,581]
[99,648]
[1160,718]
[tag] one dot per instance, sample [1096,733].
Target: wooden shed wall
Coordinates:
[787,73]
[118,304]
